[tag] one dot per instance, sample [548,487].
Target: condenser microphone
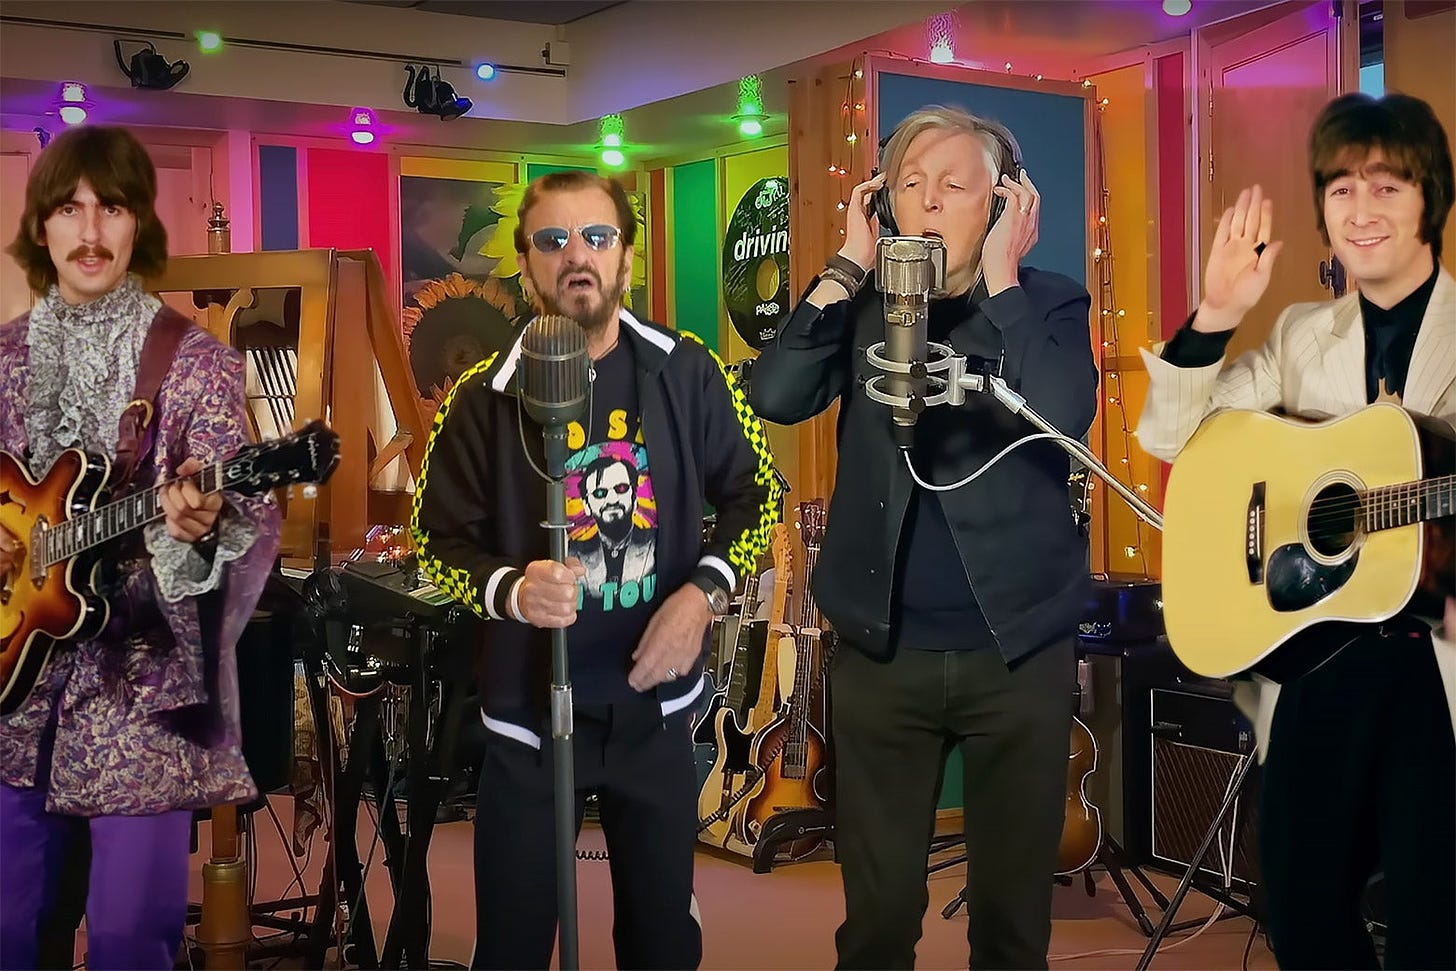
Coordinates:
[554,381]
[909,270]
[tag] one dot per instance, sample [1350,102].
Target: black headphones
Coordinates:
[1009,163]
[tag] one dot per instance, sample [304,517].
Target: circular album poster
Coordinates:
[756,262]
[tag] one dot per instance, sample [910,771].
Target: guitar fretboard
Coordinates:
[796,748]
[1409,502]
[80,533]
[738,662]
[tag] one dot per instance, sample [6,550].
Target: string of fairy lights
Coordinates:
[842,169]
[851,122]
[1111,317]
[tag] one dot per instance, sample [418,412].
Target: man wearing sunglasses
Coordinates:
[667,433]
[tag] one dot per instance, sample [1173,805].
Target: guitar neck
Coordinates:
[61,541]
[1407,503]
[796,747]
[738,662]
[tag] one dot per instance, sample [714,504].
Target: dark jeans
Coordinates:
[1361,778]
[641,766]
[894,725]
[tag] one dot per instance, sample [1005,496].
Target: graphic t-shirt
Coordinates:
[612,513]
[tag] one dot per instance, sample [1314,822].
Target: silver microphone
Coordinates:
[909,270]
[554,380]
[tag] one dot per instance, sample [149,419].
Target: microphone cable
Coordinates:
[1076,446]
[591,398]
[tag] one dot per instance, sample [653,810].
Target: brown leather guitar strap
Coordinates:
[138,419]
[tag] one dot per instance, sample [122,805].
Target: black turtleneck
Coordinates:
[1390,338]
[933,605]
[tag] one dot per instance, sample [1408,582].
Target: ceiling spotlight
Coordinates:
[750,115]
[432,96]
[209,41]
[73,105]
[1176,8]
[149,69]
[486,71]
[613,135]
[941,30]
[362,126]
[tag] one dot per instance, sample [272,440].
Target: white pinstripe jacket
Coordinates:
[1313,366]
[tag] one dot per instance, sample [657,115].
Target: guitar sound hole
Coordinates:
[1332,518]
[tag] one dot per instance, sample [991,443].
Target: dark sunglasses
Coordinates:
[597,236]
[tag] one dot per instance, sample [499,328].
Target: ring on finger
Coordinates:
[672,674]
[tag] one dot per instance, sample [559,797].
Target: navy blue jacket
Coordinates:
[1025,558]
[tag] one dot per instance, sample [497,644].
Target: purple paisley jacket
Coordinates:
[148,719]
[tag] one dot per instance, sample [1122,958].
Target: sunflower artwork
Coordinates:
[454,323]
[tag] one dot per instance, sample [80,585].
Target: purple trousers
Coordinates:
[137,903]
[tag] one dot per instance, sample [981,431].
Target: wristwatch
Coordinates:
[717,599]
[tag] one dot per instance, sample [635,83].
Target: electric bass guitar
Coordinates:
[62,520]
[733,774]
[790,752]
[1277,529]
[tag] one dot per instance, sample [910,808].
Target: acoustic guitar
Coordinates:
[64,520]
[1276,529]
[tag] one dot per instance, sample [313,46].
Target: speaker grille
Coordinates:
[554,370]
[1189,783]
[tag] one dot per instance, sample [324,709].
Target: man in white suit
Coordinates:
[1359,771]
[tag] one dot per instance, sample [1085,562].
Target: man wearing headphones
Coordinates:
[958,609]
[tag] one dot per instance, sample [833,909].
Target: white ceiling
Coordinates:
[1060,38]
[521,11]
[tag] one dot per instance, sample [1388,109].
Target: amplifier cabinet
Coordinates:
[1196,740]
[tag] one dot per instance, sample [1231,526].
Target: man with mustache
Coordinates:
[957,609]
[636,649]
[126,734]
[620,551]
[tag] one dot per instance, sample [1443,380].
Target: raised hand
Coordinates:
[1240,263]
[861,225]
[1014,234]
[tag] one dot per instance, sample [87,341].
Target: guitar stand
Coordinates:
[1236,908]
[1114,860]
[786,827]
[1110,855]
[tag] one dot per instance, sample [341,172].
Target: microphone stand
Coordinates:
[1017,405]
[561,712]
[951,390]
